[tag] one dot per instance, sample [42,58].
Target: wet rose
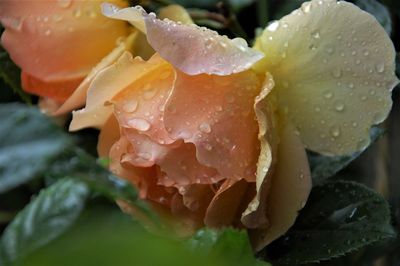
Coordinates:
[213,132]
[57,43]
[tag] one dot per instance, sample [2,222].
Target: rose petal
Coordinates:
[333,76]
[58,90]
[56,41]
[192,49]
[78,97]
[255,214]
[216,114]
[109,135]
[108,83]
[225,208]
[289,189]
[141,104]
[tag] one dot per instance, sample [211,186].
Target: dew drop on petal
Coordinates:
[315,34]
[380,68]
[139,124]
[339,107]
[273,26]
[130,106]
[337,73]
[335,131]
[64,3]
[205,128]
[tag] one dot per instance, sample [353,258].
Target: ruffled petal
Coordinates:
[265,108]
[58,40]
[333,65]
[216,114]
[191,49]
[289,188]
[108,83]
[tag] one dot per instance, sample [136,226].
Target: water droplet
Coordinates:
[337,73]
[306,7]
[339,107]
[354,124]
[230,98]
[315,34]
[335,131]
[366,53]
[144,155]
[149,93]
[218,108]
[380,68]
[57,17]
[77,12]
[92,14]
[165,74]
[208,146]
[351,85]
[130,106]
[47,32]
[329,50]
[312,47]
[328,94]
[139,123]
[205,128]
[64,3]
[273,26]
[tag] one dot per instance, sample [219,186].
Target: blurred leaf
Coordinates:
[323,167]
[285,7]
[379,11]
[28,140]
[105,237]
[237,5]
[229,243]
[42,220]
[339,217]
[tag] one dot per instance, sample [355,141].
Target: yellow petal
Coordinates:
[255,214]
[289,188]
[333,65]
[107,84]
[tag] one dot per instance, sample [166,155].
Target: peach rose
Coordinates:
[57,43]
[212,132]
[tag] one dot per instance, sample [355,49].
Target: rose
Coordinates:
[57,43]
[210,141]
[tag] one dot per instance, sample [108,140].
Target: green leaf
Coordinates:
[323,167]
[28,141]
[339,217]
[230,244]
[105,237]
[42,220]
[379,11]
